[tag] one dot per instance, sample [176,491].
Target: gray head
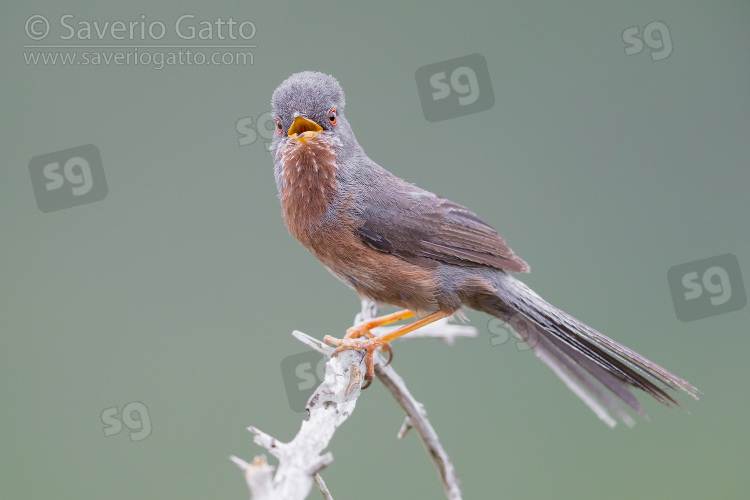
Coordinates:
[306,104]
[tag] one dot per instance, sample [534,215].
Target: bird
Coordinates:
[399,245]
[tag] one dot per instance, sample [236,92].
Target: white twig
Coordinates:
[416,415]
[416,418]
[300,460]
[258,476]
[322,487]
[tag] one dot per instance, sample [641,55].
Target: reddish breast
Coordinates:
[309,186]
[308,170]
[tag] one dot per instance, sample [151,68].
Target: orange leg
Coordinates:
[363,329]
[369,345]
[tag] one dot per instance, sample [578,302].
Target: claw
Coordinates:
[343,345]
[368,346]
[387,348]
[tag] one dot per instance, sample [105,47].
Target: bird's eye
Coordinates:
[279,126]
[332,117]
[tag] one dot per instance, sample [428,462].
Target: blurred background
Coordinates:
[144,322]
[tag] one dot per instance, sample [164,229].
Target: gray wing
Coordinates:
[404,220]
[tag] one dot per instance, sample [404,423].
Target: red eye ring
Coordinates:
[332,118]
[279,126]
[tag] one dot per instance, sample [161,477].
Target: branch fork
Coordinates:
[332,403]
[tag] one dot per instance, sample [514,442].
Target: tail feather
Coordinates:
[595,367]
[617,386]
[563,361]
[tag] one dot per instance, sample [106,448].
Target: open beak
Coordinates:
[303,129]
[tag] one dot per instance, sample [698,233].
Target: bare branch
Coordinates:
[416,418]
[300,460]
[258,476]
[416,415]
[322,487]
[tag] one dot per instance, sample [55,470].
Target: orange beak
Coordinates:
[303,129]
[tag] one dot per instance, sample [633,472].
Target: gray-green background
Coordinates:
[181,287]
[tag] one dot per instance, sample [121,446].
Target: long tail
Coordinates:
[598,369]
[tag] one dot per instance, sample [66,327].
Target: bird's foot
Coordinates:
[352,342]
[356,344]
[363,330]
